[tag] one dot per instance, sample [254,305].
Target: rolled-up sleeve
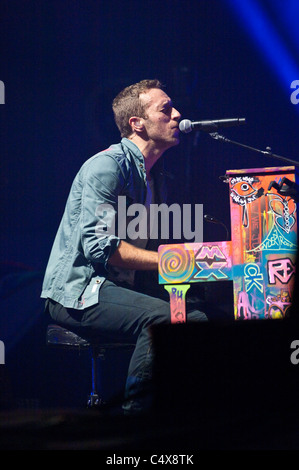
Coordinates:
[103,183]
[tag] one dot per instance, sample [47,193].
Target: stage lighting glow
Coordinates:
[267,34]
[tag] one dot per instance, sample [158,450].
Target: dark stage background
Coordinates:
[62,63]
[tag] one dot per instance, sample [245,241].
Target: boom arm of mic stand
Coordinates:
[268,151]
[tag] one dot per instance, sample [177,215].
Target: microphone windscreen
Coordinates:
[185,126]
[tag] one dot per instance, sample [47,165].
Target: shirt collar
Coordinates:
[133,148]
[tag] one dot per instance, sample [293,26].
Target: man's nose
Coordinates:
[176,114]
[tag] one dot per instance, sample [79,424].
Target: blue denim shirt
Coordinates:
[77,265]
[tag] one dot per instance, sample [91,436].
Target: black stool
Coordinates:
[59,336]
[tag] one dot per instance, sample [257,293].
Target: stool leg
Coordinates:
[94,400]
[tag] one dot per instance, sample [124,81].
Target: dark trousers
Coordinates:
[123,315]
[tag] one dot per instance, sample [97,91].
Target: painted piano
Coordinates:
[260,257]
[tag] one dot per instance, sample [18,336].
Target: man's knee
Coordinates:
[196,316]
[159,312]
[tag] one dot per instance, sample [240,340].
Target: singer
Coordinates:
[91,278]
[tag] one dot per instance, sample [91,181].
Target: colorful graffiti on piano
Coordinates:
[177,298]
[176,263]
[243,192]
[268,294]
[261,256]
[188,263]
[195,262]
[264,240]
[252,307]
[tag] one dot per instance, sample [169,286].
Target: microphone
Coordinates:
[187,126]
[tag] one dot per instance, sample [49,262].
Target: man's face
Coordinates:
[162,119]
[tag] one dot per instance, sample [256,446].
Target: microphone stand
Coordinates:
[268,150]
[286,187]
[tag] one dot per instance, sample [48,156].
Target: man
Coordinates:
[89,281]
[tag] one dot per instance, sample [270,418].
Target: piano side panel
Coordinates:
[261,256]
[264,240]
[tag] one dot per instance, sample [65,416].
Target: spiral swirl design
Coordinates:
[176,263]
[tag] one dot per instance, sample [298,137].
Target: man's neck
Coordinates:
[150,153]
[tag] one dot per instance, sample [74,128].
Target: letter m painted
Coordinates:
[211,252]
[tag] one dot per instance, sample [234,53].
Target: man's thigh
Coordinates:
[120,314]
[124,312]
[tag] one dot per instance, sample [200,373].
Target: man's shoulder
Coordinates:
[112,158]
[115,152]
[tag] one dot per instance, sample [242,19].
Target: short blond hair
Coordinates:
[127,104]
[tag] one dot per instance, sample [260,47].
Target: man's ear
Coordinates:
[136,124]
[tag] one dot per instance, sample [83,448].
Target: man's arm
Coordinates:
[129,257]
